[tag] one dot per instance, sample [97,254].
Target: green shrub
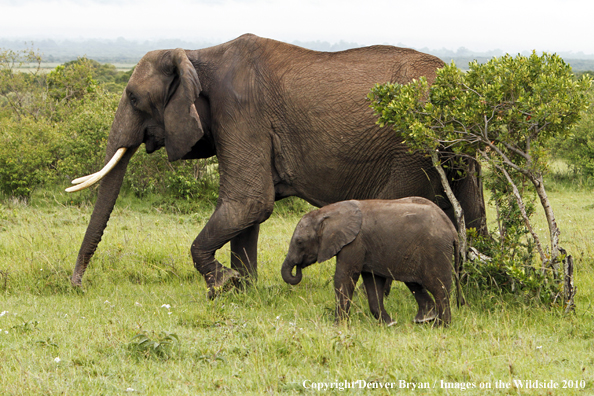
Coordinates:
[578,149]
[512,263]
[22,94]
[27,156]
[183,185]
[72,81]
[83,135]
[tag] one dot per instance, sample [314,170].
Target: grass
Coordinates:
[143,325]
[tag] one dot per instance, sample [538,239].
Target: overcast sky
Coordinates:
[479,25]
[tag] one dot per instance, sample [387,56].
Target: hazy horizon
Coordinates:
[509,26]
[28,42]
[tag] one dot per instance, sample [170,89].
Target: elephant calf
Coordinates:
[409,239]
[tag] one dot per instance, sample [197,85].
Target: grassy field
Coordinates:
[143,324]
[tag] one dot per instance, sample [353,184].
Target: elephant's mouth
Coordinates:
[89,180]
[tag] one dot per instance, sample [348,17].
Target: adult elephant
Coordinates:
[283,121]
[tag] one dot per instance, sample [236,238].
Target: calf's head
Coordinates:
[320,235]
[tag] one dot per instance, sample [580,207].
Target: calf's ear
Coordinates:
[340,226]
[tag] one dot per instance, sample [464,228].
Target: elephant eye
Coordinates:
[133,99]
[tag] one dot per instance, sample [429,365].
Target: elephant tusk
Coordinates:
[87,181]
[83,179]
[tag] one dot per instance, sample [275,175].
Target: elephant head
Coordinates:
[158,109]
[320,235]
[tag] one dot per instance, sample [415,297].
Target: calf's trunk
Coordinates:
[287,272]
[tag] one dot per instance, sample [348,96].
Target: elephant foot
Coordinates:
[76,281]
[423,317]
[244,282]
[221,281]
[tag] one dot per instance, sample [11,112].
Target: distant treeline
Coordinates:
[127,51]
[577,65]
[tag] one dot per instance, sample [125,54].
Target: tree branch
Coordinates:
[458,211]
[520,203]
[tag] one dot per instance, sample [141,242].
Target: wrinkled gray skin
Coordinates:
[283,121]
[409,239]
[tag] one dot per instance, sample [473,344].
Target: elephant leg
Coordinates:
[375,288]
[388,287]
[441,291]
[426,312]
[344,287]
[244,253]
[230,220]
[349,263]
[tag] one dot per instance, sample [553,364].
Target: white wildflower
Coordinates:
[3,313]
[57,360]
[166,306]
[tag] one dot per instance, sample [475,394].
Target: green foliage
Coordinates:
[105,74]
[25,326]
[26,156]
[83,134]
[21,94]
[71,81]
[578,148]
[510,267]
[151,345]
[183,186]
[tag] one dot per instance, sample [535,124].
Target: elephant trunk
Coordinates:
[108,193]
[287,272]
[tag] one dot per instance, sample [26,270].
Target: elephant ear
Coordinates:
[182,123]
[340,226]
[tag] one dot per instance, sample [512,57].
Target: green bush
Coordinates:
[83,135]
[27,158]
[511,262]
[578,149]
[68,82]
[22,94]
[191,181]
